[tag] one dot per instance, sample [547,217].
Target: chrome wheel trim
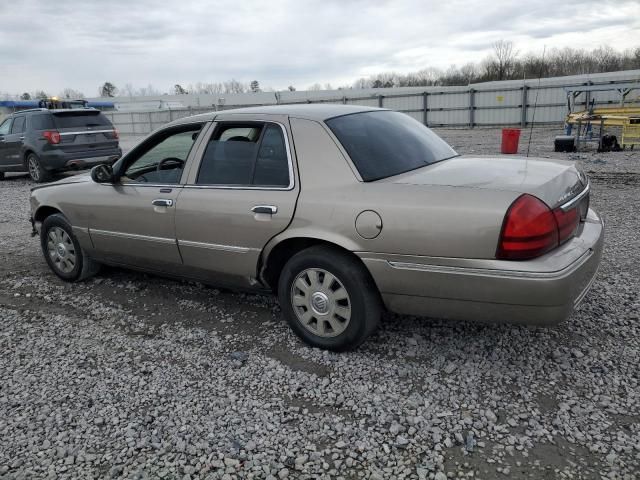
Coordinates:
[321,302]
[61,250]
[34,168]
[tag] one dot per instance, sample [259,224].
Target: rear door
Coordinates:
[84,133]
[13,142]
[241,194]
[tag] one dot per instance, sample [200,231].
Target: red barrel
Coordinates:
[510,139]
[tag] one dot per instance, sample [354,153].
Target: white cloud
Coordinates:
[80,44]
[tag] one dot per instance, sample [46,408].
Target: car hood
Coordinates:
[80,178]
[553,181]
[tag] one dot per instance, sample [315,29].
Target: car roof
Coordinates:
[318,112]
[51,111]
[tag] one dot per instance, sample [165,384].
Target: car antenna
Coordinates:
[535,103]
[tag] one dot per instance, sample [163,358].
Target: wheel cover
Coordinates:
[61,250]
[34,168]
[321,302]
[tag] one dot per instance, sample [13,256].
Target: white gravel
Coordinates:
[130,375]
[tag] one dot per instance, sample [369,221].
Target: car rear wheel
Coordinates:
[1,175]
[36,172]
[63,252]
[329,299]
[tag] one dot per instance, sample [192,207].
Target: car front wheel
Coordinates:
[329,298]
[63,252]
[36,172]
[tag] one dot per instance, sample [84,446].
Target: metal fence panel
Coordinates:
[491,103]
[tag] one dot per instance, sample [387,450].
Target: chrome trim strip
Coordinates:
[86,132]
[575,200]
[490,272]
[215,246]
[80,229]
[292,182]
[133,236]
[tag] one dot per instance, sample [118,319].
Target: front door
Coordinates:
[241,194]
[12,143]
[5,129]
[133,220]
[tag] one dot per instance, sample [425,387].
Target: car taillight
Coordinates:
[116,135]
[529,230]
[567,223]
[52,136]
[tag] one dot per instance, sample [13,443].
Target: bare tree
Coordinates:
[179,90]
[71,93]
[128,90]
[504,58]
[255,86]
[291,88]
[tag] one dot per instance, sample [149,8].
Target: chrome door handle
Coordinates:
[270,209]
[162,202]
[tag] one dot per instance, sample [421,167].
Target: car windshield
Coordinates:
[384,143]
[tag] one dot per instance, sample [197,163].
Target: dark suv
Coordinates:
[43,141]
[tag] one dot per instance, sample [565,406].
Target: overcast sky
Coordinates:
[80,44]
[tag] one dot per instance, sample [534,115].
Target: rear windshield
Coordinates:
[383,143]
[80,120]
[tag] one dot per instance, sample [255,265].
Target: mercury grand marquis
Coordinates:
[342,211]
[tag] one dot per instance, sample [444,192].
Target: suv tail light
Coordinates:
[52,136]
[531,228]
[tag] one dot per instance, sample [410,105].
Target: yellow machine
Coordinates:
[624,118]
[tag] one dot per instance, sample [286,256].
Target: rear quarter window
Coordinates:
[81,120]
[41,122]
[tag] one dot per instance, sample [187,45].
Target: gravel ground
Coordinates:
[130,375]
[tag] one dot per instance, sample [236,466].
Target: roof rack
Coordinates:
[32,110]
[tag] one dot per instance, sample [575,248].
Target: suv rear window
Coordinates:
[81,119]
[384,143]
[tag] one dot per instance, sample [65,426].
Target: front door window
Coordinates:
[162,159]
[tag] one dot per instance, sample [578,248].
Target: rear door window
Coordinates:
[18,125]
[252,155]
[81,120]
[5,127]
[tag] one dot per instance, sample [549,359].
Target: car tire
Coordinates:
[36,172]
[63,252]
[1,175]
[329,298]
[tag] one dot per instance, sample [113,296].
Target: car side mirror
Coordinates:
[102,174]
[113,159]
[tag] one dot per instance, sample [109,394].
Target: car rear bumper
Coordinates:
[57,160]
[542,291]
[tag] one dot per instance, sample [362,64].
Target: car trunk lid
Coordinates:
[555,182]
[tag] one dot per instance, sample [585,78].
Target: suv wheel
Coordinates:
[1,175]
[63,252]
[329,299]
[36,172]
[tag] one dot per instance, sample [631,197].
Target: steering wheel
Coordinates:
[179,161]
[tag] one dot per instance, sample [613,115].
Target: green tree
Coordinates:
[108,90]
